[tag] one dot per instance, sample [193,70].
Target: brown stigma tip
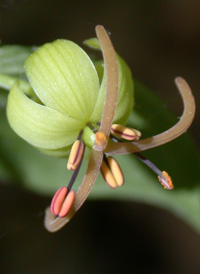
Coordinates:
[166,180]
[100,139]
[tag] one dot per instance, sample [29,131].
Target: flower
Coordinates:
[69,95]
[71,103]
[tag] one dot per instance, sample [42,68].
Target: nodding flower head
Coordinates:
[69,96]
[71,103]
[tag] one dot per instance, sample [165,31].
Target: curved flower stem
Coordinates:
[167,136]
[111,68]
[53,223]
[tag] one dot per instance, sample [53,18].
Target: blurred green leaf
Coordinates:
[21,163]
[12,59]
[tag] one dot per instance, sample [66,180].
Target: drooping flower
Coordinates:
[71,103]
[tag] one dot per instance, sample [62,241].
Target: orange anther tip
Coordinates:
[58,200]
[100,138]
[166,180]
[67,204]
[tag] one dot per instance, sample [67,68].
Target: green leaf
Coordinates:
[7,81]
[12,59]
[3,98]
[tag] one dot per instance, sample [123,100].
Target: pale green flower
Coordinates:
[71,100]
[70,93]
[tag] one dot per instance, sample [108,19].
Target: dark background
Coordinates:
[159,40]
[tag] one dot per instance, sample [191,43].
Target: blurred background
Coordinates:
[159,40]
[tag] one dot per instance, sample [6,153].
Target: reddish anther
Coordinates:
[67,204]
[62,202]
[58,200]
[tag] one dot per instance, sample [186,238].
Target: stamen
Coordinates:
[58,199]
[62,202]
[75,174]
[166,180]
[67,204]
[163,176]
[112,172]
[125,132]
[100,139]
[75,155]
[107,175]
[52,223]
[116,171]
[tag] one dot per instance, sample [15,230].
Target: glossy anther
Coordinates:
[108,175]
[67,204]
[58,199]
[116,171]
[62,202]
[166,180]
[100,139]
[75,155]
[125,133]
